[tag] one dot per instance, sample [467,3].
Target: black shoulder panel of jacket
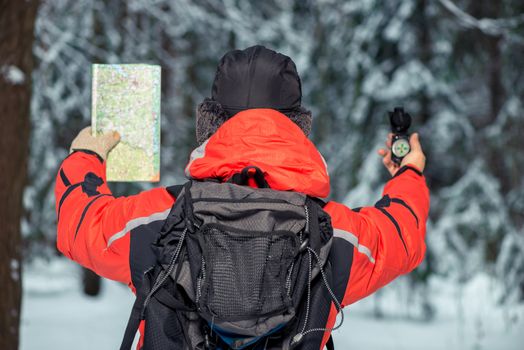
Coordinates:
[341,258]
[141,254]
[175,190]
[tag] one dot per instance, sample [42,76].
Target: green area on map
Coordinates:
[126,98]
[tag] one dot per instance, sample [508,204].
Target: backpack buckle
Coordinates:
[304,245]
[250,172]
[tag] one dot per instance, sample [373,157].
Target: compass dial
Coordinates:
[400,148]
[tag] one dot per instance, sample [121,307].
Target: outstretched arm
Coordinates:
[387,240]
[96,229]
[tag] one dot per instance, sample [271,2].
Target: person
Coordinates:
[254,117]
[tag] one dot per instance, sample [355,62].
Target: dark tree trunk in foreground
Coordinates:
[16,38]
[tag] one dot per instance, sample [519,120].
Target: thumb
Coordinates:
[111,136]
[110,139]
[414,142]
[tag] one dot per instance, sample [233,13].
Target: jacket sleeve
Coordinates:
[95,228]
[386,240]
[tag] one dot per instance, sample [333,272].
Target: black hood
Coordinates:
[256,77]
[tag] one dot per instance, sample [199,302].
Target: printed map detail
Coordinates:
[126,98]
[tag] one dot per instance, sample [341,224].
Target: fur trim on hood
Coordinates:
[210,116]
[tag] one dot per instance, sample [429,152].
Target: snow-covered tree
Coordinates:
[455,66]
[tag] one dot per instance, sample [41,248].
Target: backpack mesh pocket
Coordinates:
[246,272]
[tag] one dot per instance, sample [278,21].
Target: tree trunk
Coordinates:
[16,38]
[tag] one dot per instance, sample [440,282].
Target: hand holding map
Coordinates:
[126,99]
[101,144]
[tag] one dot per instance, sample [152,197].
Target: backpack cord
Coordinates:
[160,281]
[297,338]
[310,274]
[288,278]
[306,210]
[308,293]
[199,280]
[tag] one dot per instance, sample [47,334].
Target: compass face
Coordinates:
[400,148]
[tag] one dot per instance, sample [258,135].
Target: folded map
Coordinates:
[126,98]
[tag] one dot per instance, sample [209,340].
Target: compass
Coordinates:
[400,123]
[400,148]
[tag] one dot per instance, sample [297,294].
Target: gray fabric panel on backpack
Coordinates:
[238,193]
[250,237]
[257,216]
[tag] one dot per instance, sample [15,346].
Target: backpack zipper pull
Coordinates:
[306,210]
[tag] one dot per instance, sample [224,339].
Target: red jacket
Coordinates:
[112,235]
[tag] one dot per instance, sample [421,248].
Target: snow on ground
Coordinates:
[56,315]
[467,318]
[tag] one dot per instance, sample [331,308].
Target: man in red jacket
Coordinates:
[254,118]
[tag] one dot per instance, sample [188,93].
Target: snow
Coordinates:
[56,315]
[467,317]
[15,273]
[13,74]
[357,60]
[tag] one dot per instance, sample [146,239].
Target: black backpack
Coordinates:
[237,268]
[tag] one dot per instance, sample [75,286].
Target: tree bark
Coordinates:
[16,61]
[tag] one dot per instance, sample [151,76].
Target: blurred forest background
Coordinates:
[456,66]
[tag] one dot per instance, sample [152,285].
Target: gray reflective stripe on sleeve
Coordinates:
[351,238]
[132,224]
[197,153]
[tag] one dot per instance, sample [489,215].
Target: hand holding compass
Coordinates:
[402,148]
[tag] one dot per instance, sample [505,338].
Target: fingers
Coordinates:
[414,142]
[386,160]
[110,135]
[115,135]
[382,152]
[415,157]
[388,141]
[388,163]
[110,140]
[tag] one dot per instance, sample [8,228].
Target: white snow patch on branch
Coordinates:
[15,270]
[488,26]
[13,74]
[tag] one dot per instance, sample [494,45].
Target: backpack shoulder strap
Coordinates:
[133,323]
[319,201]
